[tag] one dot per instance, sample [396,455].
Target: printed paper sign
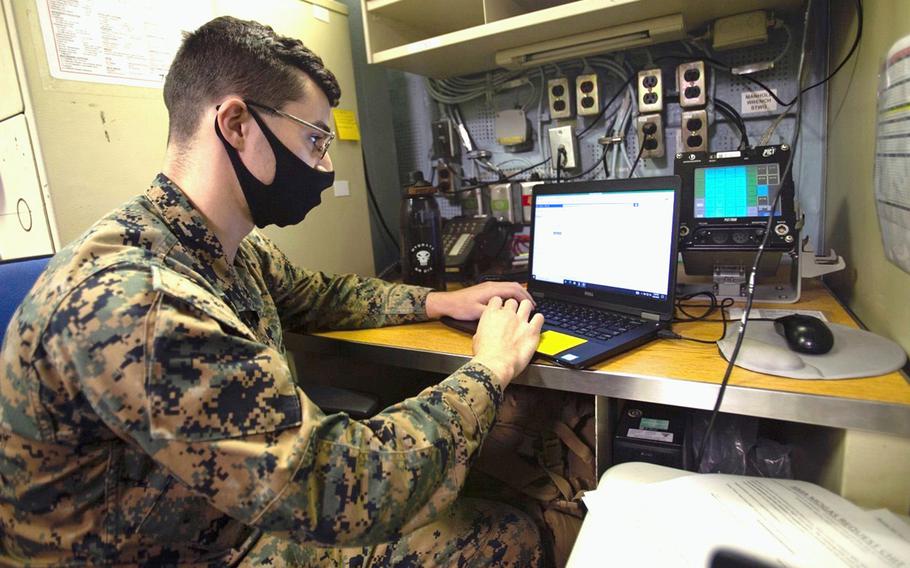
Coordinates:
[758,102]
[114,42]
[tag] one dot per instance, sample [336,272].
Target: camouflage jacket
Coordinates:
[148,415]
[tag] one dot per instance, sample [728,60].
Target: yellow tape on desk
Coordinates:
[553,342]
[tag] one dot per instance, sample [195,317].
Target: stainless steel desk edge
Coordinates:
[795,407]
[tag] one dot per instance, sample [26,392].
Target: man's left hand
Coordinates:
[468,303]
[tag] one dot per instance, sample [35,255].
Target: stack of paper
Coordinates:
[685,521]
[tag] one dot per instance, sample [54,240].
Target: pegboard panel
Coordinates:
[479,119]
[412,120]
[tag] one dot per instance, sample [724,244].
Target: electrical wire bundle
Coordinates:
[450,93]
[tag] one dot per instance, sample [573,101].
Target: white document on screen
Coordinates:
[687,520]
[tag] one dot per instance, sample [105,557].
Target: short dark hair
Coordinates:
[228,55]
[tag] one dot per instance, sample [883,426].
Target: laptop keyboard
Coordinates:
[585,321]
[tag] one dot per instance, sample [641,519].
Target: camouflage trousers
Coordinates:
[472,533]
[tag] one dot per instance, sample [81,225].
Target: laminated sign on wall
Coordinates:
[892,154]
[115,42]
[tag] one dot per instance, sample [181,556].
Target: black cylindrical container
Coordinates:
[422,257]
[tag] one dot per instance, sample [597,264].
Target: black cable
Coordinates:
[519,172]
[603,159]
[709,309]
[641,149]
[469,188]
[733,116]
[750,296]
[713,305]
[606,106]
[562,156]
[472,187]
[596,165]
[366,178]
[582,174]
[859,35]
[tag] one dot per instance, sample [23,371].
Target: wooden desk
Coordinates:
[679,373]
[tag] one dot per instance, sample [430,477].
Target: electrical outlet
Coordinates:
[560,98]
[587,96]
[694,131]
[650,135]
[690,79]
[650,91]
[563,137]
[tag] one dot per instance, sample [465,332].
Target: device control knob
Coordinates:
[781,229]
[789,238]
[683,230]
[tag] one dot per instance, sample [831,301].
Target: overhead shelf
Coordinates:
[425,37]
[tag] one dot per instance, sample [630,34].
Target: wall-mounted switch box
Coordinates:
[562,139]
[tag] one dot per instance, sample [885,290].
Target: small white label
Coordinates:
[650,435]
[342,188]
[569,357]
[758,102]
[320,13]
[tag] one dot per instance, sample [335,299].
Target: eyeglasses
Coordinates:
[321,143]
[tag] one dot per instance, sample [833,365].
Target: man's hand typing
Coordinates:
[469,303]
[506,340]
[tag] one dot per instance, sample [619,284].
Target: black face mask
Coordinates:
[293,193]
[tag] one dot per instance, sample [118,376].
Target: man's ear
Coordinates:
[233,119]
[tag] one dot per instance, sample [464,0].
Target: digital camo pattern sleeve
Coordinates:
[167,364]
[310,301]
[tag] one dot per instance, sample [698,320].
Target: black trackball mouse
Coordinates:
[805,334]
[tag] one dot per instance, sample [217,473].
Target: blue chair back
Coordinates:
[17,277]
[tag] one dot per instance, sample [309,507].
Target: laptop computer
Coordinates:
[602,265]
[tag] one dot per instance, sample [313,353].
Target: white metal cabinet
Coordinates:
[24,229]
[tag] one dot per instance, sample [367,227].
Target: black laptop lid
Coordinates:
[609,243]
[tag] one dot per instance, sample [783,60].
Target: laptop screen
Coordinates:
[606,241]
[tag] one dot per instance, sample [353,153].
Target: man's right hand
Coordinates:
[505,340]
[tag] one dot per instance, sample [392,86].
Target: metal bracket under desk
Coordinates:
[795,407]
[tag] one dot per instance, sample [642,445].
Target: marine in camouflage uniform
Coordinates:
[148,416]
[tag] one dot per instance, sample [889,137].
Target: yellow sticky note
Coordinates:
[553,342]
[346,124]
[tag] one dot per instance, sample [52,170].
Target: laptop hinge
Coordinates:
[650,316]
